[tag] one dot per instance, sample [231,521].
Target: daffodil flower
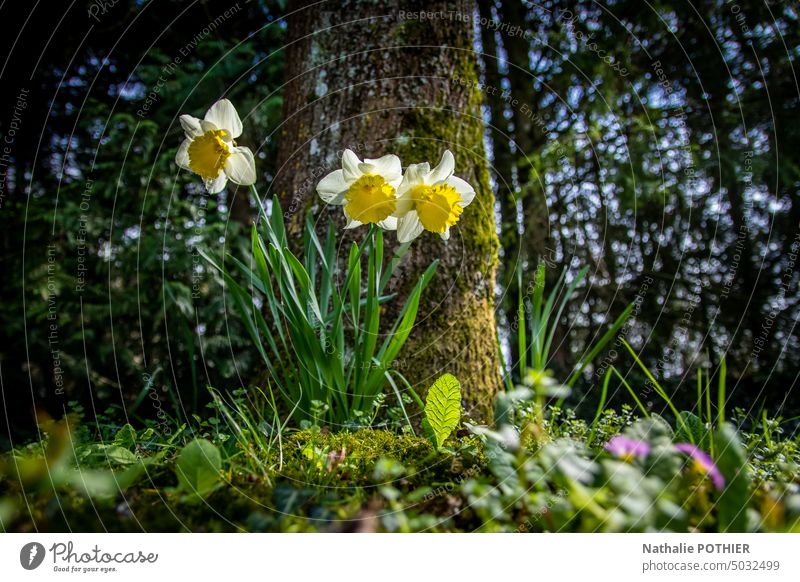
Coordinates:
[431,200]
[210,152]
[366,190]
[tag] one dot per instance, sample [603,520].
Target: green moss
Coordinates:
[347,458]
[409,32]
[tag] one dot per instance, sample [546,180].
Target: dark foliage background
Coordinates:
[94,186]
[655,142]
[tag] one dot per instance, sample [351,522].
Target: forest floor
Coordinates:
[537,470]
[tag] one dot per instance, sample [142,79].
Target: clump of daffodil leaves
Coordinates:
[316,322]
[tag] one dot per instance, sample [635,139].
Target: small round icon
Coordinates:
[31,555]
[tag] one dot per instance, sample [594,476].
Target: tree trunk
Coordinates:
[381,79]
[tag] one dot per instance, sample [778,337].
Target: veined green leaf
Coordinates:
[198,468]
[691,429]
[443,408]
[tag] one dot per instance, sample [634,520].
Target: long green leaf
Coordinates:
[564,300]
[600,344]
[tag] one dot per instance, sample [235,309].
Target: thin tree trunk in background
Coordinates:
[527,138]
[503,161]
[378,79]
[503,172]
[238,203]
[518,102]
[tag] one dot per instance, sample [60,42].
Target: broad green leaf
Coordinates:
[120,455]
[443,408]
[110,454]
[93,482]
[198,468]
[691,429]
[653,429]
[125,437]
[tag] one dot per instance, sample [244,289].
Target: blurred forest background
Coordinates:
[654,142]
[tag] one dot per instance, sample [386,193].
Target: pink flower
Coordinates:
[703,464]
[627,449]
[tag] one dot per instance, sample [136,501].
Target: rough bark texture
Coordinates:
[377,78]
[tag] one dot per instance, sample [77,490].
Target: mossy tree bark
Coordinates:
[379,78]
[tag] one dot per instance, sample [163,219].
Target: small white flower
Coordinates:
[431,200]
[210,152]
[366,190]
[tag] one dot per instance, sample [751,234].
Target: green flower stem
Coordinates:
[262,214]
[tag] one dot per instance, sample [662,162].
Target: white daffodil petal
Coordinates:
[388,166]
[206,126]
[332,188]
[240,166]
[191,125]
[182,157]
[463,188]
[409,227]
[366,168]
[416,173]
[350,167]
[216,185]
[223,114]
[351,222]
[404,203]
[444,170]
[388,224]
[446,234]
